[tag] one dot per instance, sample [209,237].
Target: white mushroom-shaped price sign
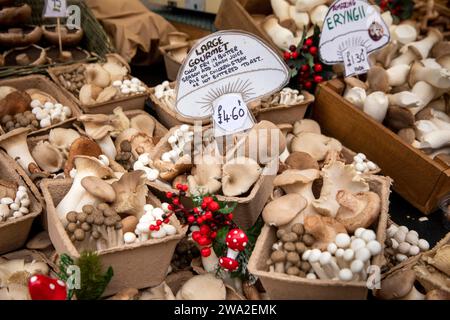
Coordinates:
[222,73]
[352,29]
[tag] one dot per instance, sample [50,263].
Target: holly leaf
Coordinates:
[65,261]
[219,244]
[226,207]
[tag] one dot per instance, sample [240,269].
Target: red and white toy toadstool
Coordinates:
[42,287]
[236,241]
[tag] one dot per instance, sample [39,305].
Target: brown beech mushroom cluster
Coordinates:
[407,86]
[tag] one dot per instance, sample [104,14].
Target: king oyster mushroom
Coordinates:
[98,127]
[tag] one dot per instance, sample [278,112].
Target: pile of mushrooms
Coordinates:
[178,47]
[31,108]
[165,95]
[291,18]
[14,201]
[407,88]
[402,243]
[286,97]
[101,82]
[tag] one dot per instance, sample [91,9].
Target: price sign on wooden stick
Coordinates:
[222,73]
[56,9]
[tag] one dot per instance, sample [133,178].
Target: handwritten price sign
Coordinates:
[355,61]
[231,115]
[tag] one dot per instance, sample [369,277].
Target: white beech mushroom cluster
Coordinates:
[403,243]
[18,207]
[151,225]
[179,142]
[144,163]
[108,81]
[286,97]
[166,95]
[291,18]
[49,113]
[362,164]
[406,85]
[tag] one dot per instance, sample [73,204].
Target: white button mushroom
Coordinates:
[129,237]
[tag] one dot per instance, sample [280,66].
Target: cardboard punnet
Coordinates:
[160,131]
[131,102]
[403,163]
[245,15]
[46,85]
[284,113]
[170,118]
[248,207]
[139,265]
[14,233]
[283,286]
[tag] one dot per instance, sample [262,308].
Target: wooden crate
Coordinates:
[419,179]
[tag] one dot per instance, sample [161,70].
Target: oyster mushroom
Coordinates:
[116,66]
[48,157]
[107,94]
[62,139]
[89,94]
[143,123]
[239,175]
[323,229]
[205,176]
[77,196]
[15,144]
[337,176]
[316,145]
[301,161]
[399,285]
[306,125]
[358,210]
[98,127]
[168,171]
[131,193]
[141,143]
[99,188]
[95,74]
[202,287]
[282,210]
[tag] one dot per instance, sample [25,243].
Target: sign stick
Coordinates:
[58,26]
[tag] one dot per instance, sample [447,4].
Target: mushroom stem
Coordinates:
[107,146]
[15,144]
[313,260]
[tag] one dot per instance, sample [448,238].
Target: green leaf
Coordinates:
[226,207]
[219,244]
[93,282]
[65,261]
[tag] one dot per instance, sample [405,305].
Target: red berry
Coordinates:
[292,48]
[191,219]
[196,211]
[213,206]
[205,252]
[313,50]
[204,230]
[170,207]
[179,186]
[167,220]
[152,227]
[158,222]
[304,68]
[308,42]
[287,55]
[169,195]
[207,200]
[200,220]
[294,55]
[176,201]
[213,235]
[308,84]
[157,228]
[196,235]
[204,241]
[230,216]
[318,67]
[185,187]
[208,215]
[204,205]
[318,79]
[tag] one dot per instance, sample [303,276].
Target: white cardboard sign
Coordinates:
[351,24]
[356,61]
[231,115]
[55,9]
[227,62]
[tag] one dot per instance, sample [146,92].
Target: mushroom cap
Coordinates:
[83,146]
[202,287]
[20,38]
[236,239]
[306,125]
[282,210]
[99,188]
[353,82]
[205,176]
[228,264]
[301,161]
[292,181]
[398,118]
[15,15]
[107,94]
[440,49]
[378,79]
[62,138]
[397,285]
[239,175]
[67,38]
[143,123]
[47,157]
[278,256]
[125,135]
[358,210]
[316,145]
[92,164]
[323,229]
[97,126]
